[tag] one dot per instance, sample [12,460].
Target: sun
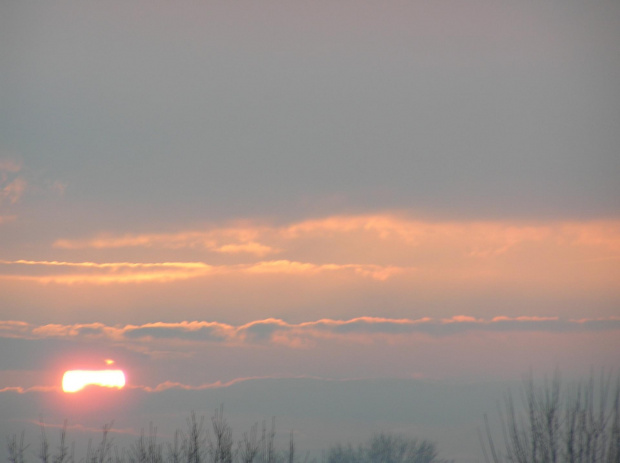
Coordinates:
[76,380]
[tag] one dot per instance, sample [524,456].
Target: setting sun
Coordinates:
[76,380]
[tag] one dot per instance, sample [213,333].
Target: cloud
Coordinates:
[15,182]
[261,331]
[166,385]
[63,331]
[268,330]
[109,272]
[140,272]
[12,191]
[110,265]
[12,185]
[9,328]
[251,247]
[351,262]
[9,165]
[376,272]
[24,390]
[191,331]
[383,239]
[220,240]
[384,227]
[201,355]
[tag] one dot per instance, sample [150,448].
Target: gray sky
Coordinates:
[165,112]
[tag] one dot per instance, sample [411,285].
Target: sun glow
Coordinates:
[76,380]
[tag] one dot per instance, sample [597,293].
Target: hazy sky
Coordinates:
[353,215]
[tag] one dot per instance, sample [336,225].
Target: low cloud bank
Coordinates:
[272,329]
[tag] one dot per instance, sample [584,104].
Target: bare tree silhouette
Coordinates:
[249,446]
[386,448]
[195,444]
[16,448]
[579,423]
[221,447]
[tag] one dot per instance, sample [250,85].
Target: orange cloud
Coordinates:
[251,247]
[137,272]
[376,272]
[111,272]
[110,265]
[347,264]
[376,236]
[221,240]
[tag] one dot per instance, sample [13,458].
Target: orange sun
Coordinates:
[76,380]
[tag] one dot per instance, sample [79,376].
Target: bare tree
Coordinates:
[16,448]
[63,454]
[249,446]
[194,441]
[146,449]
[44,455]
[291,449]
[268,453]
[575,424]
[102,453]
[386,448]
[44,448]
[176,449]
[221,447]
[196,445]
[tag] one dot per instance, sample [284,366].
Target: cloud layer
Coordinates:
[388,265]
[278,331]
[378,247]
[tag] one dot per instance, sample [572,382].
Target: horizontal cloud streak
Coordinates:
[578,255]
[223,240]
[482,238]
[272,330]
[24,390]
[220,384]
[374,246]
[136,272]
[108,265]
[167,385]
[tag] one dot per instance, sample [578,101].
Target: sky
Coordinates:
[355,216]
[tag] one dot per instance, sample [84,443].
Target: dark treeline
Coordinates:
[199,443]
[579,423]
